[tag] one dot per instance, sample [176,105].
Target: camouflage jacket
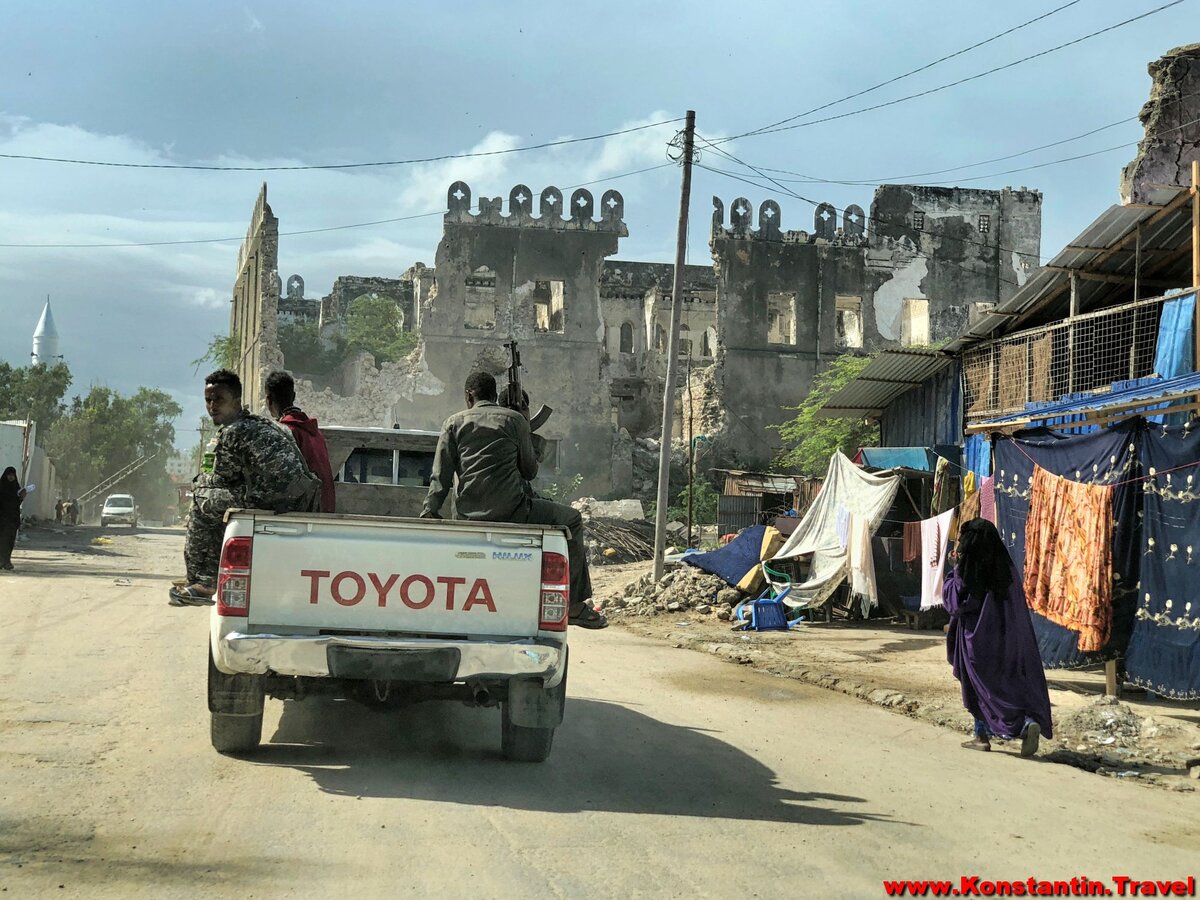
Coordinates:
[257,461]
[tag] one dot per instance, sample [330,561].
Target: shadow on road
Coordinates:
[606,757]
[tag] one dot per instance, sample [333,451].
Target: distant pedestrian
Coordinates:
[11,497]
[58,511]
[281,401]
[991,645]
[73,507]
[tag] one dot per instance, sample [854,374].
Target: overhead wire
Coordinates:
[911,72]
[225,240]
[775,129]
[328,166]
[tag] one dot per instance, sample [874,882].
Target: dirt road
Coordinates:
[675,774]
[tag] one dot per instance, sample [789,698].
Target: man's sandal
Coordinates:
[189,596]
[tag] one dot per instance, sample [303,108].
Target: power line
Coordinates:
[771,129]
[359,165]
[919,69]
[1041,165]
[225,240]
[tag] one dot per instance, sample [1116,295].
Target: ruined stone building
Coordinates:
[758,324]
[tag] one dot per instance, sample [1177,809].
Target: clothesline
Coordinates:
[1155,474]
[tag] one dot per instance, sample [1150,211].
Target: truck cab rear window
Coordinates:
[394,467]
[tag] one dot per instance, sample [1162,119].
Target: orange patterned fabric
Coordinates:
[1068,556]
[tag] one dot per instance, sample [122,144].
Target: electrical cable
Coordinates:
[780,126]
[360,165]
[226,240]
[1042,165]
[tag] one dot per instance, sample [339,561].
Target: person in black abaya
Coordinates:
[11,497]
[990,643]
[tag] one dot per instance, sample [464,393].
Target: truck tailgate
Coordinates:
[366,575]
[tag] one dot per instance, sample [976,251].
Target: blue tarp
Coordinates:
[1149,390]
[978,452]
[735,559]
[1164,651]
[920,458]
[1175,347]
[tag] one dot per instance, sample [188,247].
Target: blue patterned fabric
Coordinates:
[1102,457]
[735,559]
[1164,651]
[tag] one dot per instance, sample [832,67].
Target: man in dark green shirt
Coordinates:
[489,449]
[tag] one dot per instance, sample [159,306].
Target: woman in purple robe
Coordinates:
[991,645]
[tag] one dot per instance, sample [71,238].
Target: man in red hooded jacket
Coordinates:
[281,401]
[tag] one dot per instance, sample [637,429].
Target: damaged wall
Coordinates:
[254,311]
[1172,121]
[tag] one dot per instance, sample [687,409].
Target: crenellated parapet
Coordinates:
[851,231]
[554,211]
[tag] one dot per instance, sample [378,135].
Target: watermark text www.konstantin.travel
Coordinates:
[1079,886]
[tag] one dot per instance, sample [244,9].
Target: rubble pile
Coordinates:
[683,589]
[1105,723]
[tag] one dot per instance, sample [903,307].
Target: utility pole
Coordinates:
[664,448]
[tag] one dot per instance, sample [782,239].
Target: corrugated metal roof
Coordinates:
[1104,255]
[1132,399]
[888,375]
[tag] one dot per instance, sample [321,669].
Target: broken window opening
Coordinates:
[781,317]
[985,224]
[626,337]
[849,332]
[919,221]
[707,342]
[660,339]
[549,303]
[480,302]
[685,341]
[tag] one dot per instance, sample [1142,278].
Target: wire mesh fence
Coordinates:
[1077,355]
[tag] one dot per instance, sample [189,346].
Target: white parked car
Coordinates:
[119,508]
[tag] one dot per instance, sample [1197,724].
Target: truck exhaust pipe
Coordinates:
[481,695]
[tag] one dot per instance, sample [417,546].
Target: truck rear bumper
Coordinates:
[308,655]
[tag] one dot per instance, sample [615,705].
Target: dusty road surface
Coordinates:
[675,774]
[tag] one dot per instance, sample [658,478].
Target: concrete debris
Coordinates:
[590,507]
[685,588]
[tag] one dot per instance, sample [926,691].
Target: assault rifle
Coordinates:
[513,396]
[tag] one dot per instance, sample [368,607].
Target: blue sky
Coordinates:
[287,83]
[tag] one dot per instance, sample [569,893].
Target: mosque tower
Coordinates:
[45,339]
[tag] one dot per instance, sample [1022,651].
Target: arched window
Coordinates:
[627,337]
[685,341]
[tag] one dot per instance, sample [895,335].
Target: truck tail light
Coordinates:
[556,590]
[233,579]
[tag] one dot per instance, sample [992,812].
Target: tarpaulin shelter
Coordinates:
[738,561]
[860,494]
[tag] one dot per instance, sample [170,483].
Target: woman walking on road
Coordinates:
[991,645]
[11,495]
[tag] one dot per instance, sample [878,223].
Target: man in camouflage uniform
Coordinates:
[257,465]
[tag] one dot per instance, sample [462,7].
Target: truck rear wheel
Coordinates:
[521,744]
[236,734]
[235,703]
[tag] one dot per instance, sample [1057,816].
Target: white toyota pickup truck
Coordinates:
[390,611]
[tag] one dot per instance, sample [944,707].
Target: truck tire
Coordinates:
[520,744]
[235,704]
[523,743]
[236,734]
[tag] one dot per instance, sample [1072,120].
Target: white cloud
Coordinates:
[252,21]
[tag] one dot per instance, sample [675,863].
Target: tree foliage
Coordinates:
[34,392]
[222,352]
[809,441]
[376,325]
[105,431]
[304,351]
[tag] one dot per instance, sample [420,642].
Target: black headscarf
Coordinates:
[983,560]
[10,496]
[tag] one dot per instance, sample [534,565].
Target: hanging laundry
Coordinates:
[862,563]
[1068,555]
[843,526]
[912,541]
[971,501]
[935,536]
[987,498]
[945,488]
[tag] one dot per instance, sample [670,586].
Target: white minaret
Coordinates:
[45,339]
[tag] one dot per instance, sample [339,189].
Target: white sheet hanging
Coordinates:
[935,534]
[862,565]
[864,495]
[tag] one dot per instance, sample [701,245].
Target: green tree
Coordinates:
[304,352]
[809,440]
[106,431]
[376,325]
[34,392]
[223,351]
